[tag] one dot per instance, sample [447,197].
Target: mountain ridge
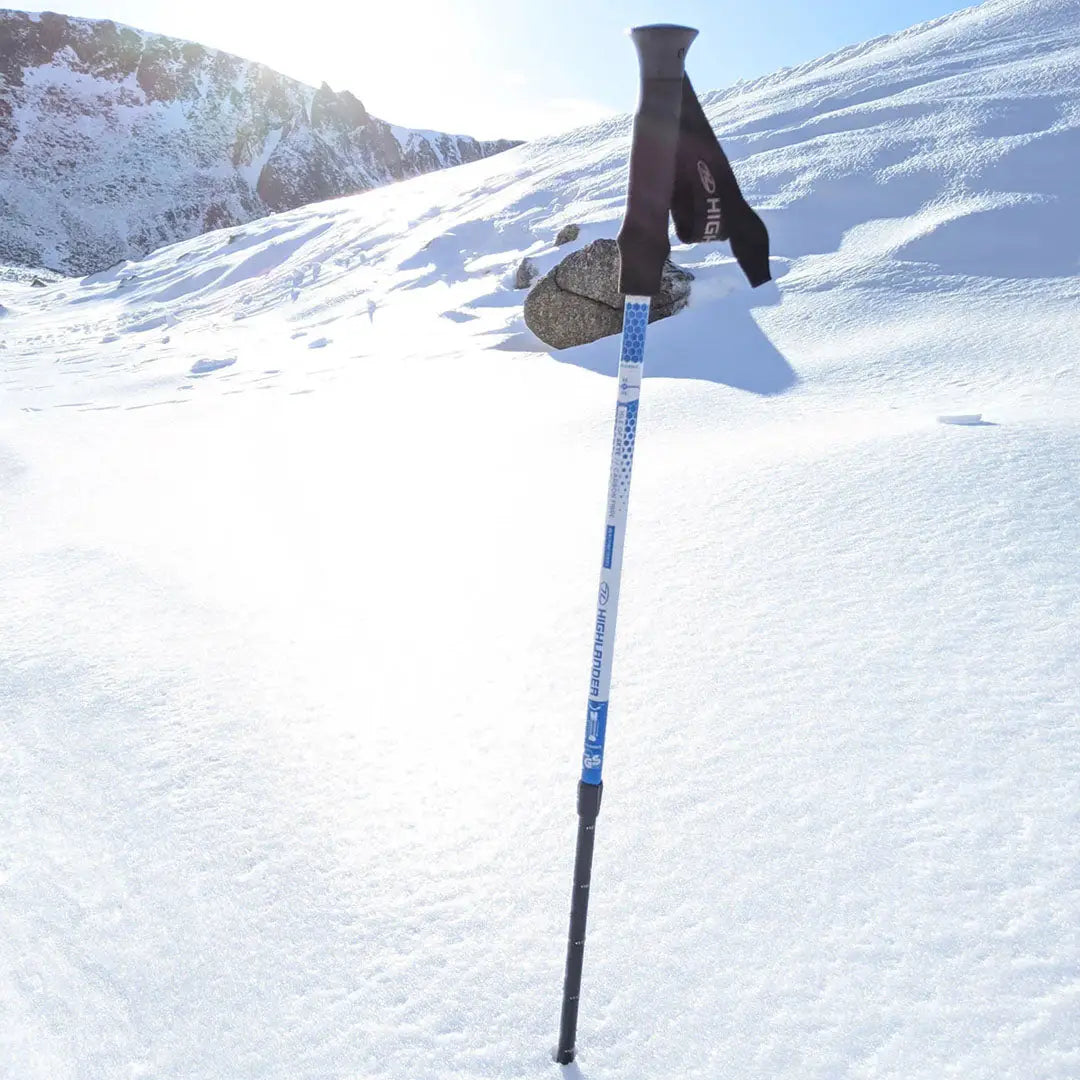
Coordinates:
[115,141]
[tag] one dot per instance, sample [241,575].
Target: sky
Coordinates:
[504,68]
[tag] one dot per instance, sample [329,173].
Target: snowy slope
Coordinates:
[115,141]
[297,606]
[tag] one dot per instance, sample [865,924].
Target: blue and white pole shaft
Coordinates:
[643,250]
[631,364]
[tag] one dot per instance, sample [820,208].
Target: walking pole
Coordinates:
[643,249]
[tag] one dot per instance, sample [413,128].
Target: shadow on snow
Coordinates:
[715,342]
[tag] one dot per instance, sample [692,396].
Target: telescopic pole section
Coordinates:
[588,808]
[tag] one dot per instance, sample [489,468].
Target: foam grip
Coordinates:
[643,238]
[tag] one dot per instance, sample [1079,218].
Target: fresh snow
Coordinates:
[297,606]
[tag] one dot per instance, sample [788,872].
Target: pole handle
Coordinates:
[643,238]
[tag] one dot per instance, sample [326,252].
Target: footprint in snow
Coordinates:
[203,367]
[319,343]
[155,323]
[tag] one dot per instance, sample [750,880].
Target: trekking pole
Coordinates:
[643,249]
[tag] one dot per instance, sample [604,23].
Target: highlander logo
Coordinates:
[712,204]
[598,653]
[708,181]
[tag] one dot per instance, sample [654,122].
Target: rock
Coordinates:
[567,235]
[563,319]
[579,301]
[525,274]
[592,272]
[37,283]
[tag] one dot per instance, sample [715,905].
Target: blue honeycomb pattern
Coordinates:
[622,457]
[635,321]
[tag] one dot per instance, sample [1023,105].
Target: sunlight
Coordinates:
[412,63]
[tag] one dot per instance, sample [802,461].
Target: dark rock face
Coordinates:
[525,274]
[114,141]
[579,301]
[567,235]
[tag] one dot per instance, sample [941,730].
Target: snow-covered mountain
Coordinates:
[297,604]
[114,142]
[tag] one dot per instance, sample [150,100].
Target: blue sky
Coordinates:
[507,67]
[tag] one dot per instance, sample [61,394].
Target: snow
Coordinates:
[204,367]
[407,136]
[297,608]
[968,419]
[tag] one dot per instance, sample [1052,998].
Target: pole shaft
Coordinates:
[588,808]
[631,362]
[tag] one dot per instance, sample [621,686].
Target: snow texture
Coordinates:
[114,141]
[295,641]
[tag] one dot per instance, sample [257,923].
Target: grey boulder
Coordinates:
[579,300]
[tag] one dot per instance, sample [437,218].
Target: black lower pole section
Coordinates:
[588,809]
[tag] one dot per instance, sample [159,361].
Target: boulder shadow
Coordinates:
[718,342]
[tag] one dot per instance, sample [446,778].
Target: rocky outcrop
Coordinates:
[525,274]
[114,141]
[579,301]
[567,235]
